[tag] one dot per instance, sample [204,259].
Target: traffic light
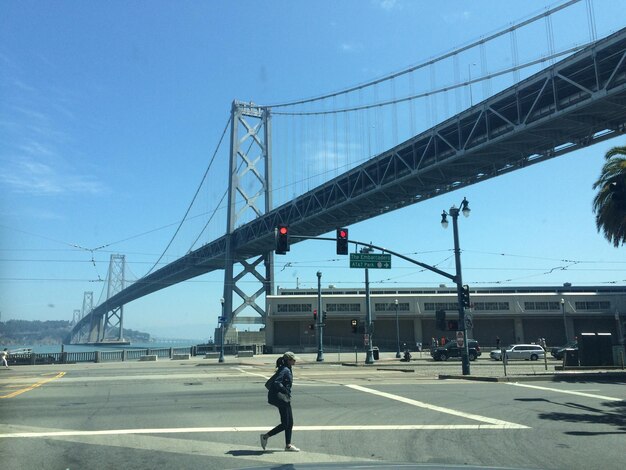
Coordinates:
[466,296]
[315,314]
[311,326]
[342,241]
[440,320]
[453,325]
[355,325]
[282,240]
[323,316]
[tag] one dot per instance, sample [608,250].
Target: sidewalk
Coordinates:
[422,365]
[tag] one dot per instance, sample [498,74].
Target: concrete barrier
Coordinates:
[245,354]
[179,357]
[148,357]
[212,355]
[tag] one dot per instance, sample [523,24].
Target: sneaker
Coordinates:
[291,448]
[264,439]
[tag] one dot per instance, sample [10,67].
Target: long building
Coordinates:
[513,314]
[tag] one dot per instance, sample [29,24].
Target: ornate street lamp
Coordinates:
[454,213]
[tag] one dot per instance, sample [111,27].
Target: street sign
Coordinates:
[459,339]
[370,260]
[469,321]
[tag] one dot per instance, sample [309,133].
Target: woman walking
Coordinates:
[279,395]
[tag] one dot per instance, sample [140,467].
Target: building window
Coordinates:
[433,306]
[294,308]
[491,306]
[542,306]
[353,307]
[391,307]
[595,305]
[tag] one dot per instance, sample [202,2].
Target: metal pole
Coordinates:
[369,354]
[564,320]
[454,213]
[221,359]
[397,332]
[320,328]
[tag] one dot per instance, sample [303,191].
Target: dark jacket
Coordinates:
[282,385]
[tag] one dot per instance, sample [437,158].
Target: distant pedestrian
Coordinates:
[497,342]
[279,395]
[3,357]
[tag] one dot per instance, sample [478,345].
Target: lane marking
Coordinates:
[569,392]
[33,386]
[256,429]
[440,409]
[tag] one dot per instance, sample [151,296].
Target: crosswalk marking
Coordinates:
[495,422]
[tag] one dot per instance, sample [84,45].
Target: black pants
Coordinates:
[286,422]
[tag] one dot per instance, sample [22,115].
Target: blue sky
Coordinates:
[110,111]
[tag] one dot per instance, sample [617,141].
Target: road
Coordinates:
[195,414]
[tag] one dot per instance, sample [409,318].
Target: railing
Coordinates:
[96,356]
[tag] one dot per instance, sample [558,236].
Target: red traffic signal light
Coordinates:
[282,240]
[315,314]
[342,241]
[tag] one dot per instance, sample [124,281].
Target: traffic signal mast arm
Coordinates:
[385,250]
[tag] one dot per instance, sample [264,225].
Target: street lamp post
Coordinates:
[454,213]
[397,332]
[320,328]
[221,359]
[564,319]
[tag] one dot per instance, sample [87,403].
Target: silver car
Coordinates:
[527,352]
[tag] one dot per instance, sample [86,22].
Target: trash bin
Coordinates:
[376,353]
[570,358]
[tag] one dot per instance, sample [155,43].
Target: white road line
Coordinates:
[256,429]
[440,409]
[569,392]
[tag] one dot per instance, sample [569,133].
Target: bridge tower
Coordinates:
[87,308]
[249,196]
[76,316]
[114,319]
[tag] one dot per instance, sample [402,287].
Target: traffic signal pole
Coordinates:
[456,278]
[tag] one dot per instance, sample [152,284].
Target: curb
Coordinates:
[533,378]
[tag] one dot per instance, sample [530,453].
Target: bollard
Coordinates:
[97,356]
[171,352]
[356,357]
[124,355]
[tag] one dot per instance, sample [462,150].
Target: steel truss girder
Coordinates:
[574,103]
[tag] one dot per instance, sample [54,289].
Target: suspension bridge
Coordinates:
[337,159]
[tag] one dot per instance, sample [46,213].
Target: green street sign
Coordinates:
[370,260]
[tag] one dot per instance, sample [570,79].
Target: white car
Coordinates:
[527,352]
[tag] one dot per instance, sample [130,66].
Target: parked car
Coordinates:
[527,352]
[450,349]
[559,351]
